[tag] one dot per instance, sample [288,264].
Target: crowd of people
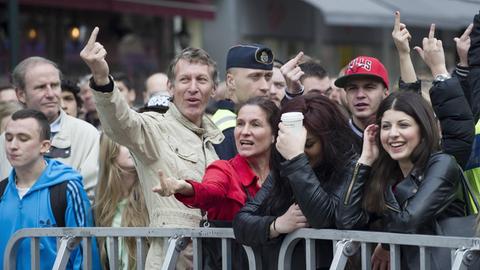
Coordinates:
[204,153]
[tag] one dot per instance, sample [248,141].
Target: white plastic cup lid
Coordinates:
[292,117]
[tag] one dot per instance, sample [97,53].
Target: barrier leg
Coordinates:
[311,259]
[344,249]
[67,244]
[197,253]
[254,260]
[34,251]
[113,256]
[394,257]
[366,257]
[141,255]
[175,246]
[226,254]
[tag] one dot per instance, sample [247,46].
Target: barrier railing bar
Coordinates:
[140,255]
[366,255]
[35,253]
[387,238]
[394,257]
[394,240]
[197,254]
[424,258]
[311,259]
[226,254]
[86,249]
[113,256]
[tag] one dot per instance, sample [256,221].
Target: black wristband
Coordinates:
[102,88]
[291,95]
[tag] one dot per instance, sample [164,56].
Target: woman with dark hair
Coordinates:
[308,170]
[405,182]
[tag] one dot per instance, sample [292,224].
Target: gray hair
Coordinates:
[19,72]
[193,55]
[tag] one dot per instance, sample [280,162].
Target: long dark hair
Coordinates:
[323,120]
[385,169]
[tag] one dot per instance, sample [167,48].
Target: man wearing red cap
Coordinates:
[366,84]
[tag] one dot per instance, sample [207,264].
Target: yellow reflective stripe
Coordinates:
[477,128]
[224,119]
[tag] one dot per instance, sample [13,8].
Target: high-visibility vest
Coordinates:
[472,170]
[224,119]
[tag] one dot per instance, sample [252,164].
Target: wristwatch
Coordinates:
[441,77]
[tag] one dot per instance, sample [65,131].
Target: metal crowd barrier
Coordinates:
[69,238]
[345,244]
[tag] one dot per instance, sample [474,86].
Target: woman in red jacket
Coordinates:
[227,184]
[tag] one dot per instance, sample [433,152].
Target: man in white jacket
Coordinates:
[73,141]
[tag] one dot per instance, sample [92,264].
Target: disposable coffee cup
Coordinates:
[293,120]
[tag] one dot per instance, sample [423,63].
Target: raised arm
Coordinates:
[292,73]
[462,69]
[350,213]
[448,101]
[93,54]
[123,125]
[401,38]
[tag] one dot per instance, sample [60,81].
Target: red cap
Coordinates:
[361,67]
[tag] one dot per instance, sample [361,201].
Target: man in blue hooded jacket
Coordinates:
[25,203]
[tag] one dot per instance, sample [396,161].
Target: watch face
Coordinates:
[441,77]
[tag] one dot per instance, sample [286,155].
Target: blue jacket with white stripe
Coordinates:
[34,211]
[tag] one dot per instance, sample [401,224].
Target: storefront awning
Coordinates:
[446,14]
[204,9]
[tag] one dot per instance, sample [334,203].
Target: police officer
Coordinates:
[249,74]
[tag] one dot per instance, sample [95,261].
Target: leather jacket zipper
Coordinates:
[352,182]
[392,208]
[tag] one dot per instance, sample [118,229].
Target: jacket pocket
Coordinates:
[183,151]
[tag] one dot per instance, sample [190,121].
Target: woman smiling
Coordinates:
[405,182]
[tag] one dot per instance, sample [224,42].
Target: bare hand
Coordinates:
[292,73]
[289,142]
[167,186]
[380,258]
[463,45]
[94,56]
[370,147]
[290,221]
[401,36]
[432,53]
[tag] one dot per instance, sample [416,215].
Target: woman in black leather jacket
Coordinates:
[402,179]
[303,188]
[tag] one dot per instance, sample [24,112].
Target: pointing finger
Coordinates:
[467,32]
[396,25]
[93,37]
[431,34]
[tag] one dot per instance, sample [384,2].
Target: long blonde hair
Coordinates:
[109,194]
